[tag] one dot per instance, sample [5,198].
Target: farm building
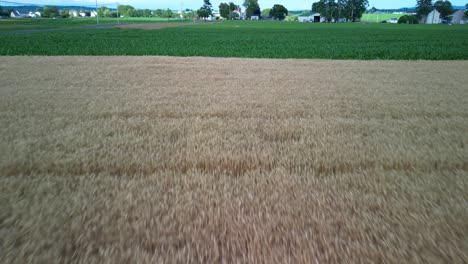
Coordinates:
[17,14]
[458,17]
[311,18]
[34,14]
[433,18]
[73,13]
[85,14]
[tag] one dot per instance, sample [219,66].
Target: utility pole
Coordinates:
[181,12]
[97,15]
[118,15]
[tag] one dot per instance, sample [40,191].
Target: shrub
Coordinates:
[408,19]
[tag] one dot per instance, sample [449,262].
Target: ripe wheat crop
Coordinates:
[199,160]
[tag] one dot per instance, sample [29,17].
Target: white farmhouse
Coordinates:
[433,17]
[34,14]
[458,17]
[73,13]
[17,14]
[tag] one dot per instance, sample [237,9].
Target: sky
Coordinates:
[195,4]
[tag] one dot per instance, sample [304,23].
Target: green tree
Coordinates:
[317,7]
[279,12]
[355,9]
[341,5]
[466,10]
[205,11]
[224,10]
[46,11]
[327,8]
[167,13]
[266,12]
[131,13]
[293,17]
[423,8]
[331,9]
[233,7]
[126,10]
[1,11]
[64,13]
[158,12]
[190,14]
[146,13]
[350,9]
[101,11]
[251,8]
[54,12]
[109,13]
[444,7]
[408,19]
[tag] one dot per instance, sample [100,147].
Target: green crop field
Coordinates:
[9,25]
[256,39]
[379,17]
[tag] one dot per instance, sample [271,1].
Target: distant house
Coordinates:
[93,14]
[304,18]
[85,14]
[73,13]
[311,18]
[254,18]
[433,18]
[34,14]
[237,15]
[210,18]
[17,14]
[458,17]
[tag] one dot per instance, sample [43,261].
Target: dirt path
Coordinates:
[145,26]
[153,26]
[211,160]
[30,31]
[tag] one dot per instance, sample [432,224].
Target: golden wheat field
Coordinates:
[211,160]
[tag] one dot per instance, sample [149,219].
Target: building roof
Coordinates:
[309,15]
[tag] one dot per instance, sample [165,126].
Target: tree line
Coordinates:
[230,11]
[329,9]
[351,10]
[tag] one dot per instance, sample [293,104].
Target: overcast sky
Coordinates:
[195,4]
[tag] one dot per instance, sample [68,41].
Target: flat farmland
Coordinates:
[248,39]
[379,17]
[212,160]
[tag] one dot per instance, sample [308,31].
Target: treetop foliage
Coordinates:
[279,12]
[336,9]
[252,8]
